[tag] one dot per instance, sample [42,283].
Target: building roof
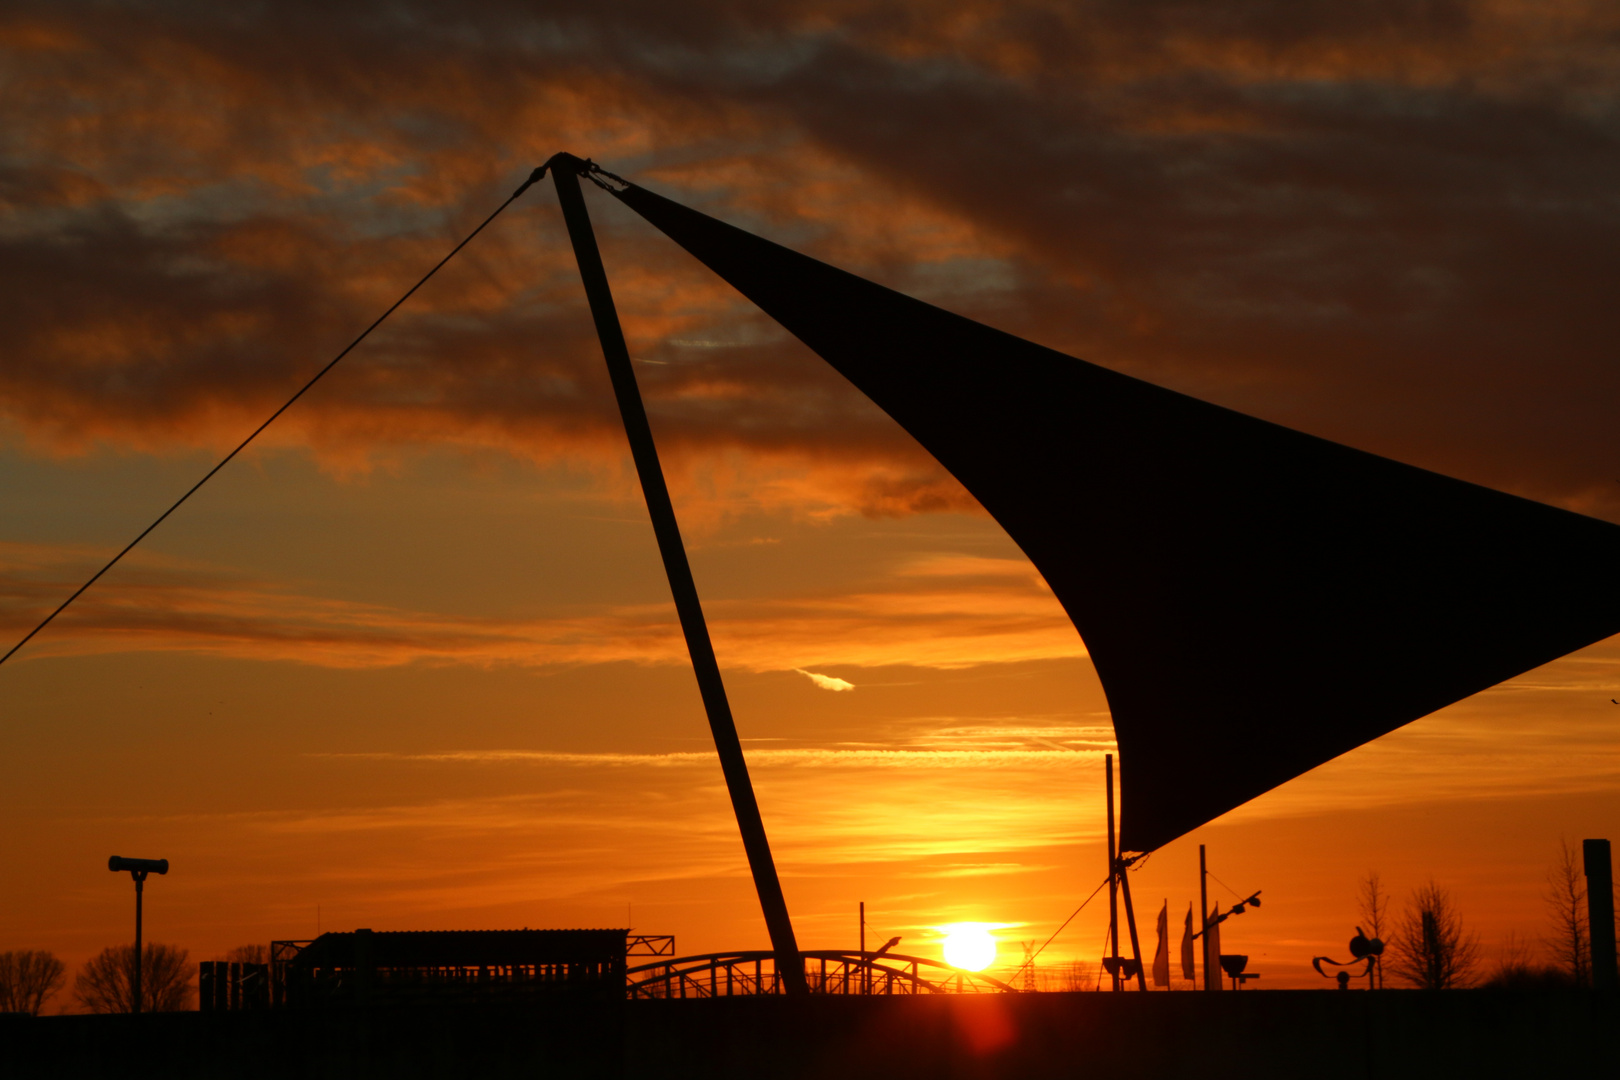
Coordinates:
[462,948]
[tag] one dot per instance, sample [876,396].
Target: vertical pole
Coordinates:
[1599,866]
[564,173]
[135,986]
[1212,981]
[866,972]
[1113,869]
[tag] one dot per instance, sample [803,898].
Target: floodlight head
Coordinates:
[1238,909]
[1253,901]
[138,866]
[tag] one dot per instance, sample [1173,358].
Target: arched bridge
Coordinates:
[828,971]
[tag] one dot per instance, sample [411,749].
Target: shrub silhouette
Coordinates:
[28,978]
[103,984]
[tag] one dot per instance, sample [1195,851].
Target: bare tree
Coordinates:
[1078,975]
[1514,953]
[249,954]
[104,984]
[1569,942]
[1430,947]
[1516,968]
[1372,907]
[28,978]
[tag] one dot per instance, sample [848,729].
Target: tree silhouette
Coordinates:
[1372,905]
[1078,975]
[1430,947]
[249,954]
[103,984]
[1569,942]
[28,978]
[1516,969]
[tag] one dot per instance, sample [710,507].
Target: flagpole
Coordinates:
[1189,967]
[789,964]
[1203,915]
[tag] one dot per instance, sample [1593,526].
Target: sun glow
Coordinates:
[969,946]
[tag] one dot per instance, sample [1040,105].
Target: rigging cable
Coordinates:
[1059,930]
[1225,886]
[534,177]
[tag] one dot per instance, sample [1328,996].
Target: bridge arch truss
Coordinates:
[828,971]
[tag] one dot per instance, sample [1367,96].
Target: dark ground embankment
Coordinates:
[1249,1034]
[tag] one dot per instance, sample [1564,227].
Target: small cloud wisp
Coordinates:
[826,682]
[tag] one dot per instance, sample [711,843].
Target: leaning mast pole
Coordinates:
[1113,873]
[1119,883]
[565,171]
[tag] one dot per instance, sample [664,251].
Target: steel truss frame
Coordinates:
[827,971]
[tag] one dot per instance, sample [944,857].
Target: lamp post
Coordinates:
[138,869]
[1213,919]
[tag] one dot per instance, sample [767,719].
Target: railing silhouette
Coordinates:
[828,971]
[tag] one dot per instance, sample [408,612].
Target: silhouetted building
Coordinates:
[224,986]
[397,967]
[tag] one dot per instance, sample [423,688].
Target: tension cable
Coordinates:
[1059,930]
[534,177]
[1225,886]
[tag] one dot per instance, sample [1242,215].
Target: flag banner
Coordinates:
[1187,971]
[1161,955]
[1212,953]
[1256,600]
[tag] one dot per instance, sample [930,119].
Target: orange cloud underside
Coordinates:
[937,612]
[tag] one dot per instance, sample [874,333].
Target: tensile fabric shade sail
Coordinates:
[1256,600]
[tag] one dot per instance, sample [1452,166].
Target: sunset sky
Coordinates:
[411,662]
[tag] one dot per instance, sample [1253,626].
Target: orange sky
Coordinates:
[410,662]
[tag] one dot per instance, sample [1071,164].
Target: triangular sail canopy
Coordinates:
[1256,600]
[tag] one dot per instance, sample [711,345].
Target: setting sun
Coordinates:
[969,946]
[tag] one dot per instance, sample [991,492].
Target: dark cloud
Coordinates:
[1391,224]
